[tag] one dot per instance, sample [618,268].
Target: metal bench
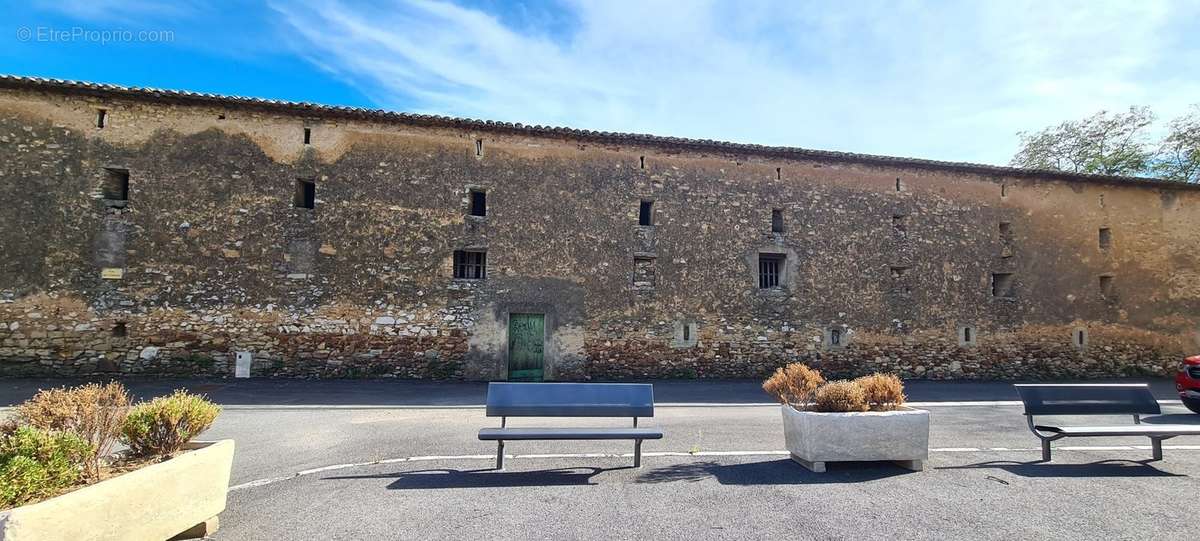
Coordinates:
[506,400]
[1097,399]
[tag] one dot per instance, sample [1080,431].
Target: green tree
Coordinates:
[1179,154]
[1104,143]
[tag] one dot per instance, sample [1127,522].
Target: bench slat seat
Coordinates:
[557,433]
[632,400]
[1124,430]
[1097,399]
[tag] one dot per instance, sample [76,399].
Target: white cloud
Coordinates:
[949,82]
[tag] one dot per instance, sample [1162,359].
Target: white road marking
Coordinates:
[491,457]
[256,407]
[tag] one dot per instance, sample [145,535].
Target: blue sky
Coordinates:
[945,80]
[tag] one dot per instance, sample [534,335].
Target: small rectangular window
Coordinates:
[119,330]
[770,270]
[116,184]
[470,264]
[646,213]
[305,196]
[479,147]
[1006,234]
[777,221]
[1106,286]
[307,135]
[835,337]
[478,203]
[101,117]
[687,333]
[1002,284]
[1105,238]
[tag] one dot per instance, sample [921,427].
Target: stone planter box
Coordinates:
[900,436]
[180,497]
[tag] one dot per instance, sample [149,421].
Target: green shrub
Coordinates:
[94,412]
[37,464]
[164,425]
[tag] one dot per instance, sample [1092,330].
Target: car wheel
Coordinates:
[1192,404]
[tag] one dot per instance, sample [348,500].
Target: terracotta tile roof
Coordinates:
[673,143]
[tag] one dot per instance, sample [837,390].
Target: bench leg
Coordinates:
[1156,448]
[1045,450]
[637,453]
[500,454]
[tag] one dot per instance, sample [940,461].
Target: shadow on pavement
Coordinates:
[774,472]
[485,478]
[1105,468]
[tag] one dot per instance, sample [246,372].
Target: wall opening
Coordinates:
[119,330]
[770,270]
[1004,190]
[900,223]
[1002,284]
[642,161]
[470,264]
[643,272]
[221,116]
[1079,337]
[777,221]
[898,185]
[646,213]
[479,147]
[899,271]
[835,337]
[967,335]
[1105,238]
[307,135]
[687,333]
[1006,233]
[305,194]
[116,184]
[1106,286]
[778,173]
[478,203]
[101,117]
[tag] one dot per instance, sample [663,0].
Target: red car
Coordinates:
[1187,382]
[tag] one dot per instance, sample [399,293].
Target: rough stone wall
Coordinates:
[892,263]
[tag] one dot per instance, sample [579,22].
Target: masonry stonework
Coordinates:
[882,262]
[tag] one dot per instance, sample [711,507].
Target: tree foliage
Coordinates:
[1117,144]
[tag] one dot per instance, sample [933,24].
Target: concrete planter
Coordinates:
[179,497]
[814,438]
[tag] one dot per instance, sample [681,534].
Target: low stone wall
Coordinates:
[49,336]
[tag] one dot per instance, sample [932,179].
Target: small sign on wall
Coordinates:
[112,273]
[241,368]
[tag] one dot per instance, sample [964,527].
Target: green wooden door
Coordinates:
[526,333]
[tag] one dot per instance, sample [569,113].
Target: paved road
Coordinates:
[392,392]
[400,460]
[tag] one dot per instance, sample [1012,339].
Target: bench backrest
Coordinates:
[570,400]
[1088,399]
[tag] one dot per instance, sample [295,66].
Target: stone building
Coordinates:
[160,232]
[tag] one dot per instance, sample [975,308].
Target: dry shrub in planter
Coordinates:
[794,384]
[882,391]
[94,412]
[164,425]
[37,464]
[840,396]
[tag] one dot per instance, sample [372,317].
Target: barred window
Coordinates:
[470,265]
[770,269]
